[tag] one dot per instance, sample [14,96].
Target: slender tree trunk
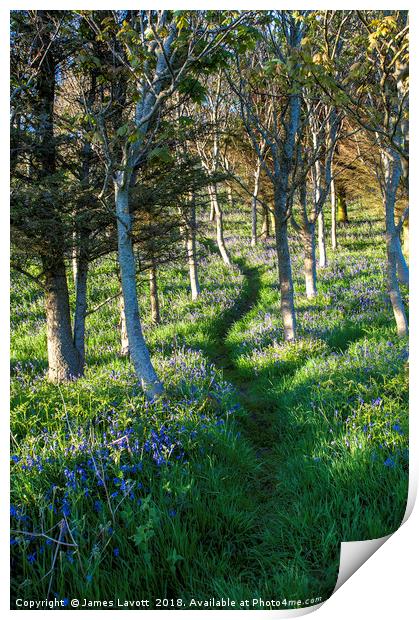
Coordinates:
[272,219]
[81,308]
[265,232]
[219,223]
[154,295]
[75,257]
[211,217]
[310,261]
[333,208]
[230,196]
[392,177]
[342,208]
[191,250]
[255,202]
[124,349]
[322,241]
[285,279]
[64,362]
[138,349]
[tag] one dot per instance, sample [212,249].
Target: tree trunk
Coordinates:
[272,219]
[322,241]
[310,261]
[75,258]
[219,223]
[392,177]
[64,362]
[154,296]
[137,347]
[124,349]
[285,278]
[191,250]
[211,217]
[333,209]
[342,208]
[80,309]
[265,232]
[230,196]
[254,203]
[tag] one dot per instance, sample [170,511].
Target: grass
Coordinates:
[260,459]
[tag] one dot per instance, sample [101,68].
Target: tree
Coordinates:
[321,126]
[270,101]
[40,216]
[370,84]
[156,49]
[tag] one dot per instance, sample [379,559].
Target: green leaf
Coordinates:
[122,131]
[161,153]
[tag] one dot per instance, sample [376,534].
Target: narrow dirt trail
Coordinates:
[260,423]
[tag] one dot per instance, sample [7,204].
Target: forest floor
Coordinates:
[259,460]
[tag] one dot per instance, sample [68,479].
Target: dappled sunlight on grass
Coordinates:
[259,459]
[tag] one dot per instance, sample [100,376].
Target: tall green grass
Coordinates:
[259,460]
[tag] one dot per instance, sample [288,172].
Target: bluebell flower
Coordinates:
[31,558]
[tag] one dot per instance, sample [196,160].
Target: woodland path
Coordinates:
[261,423]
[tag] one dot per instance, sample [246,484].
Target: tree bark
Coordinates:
[230,196]
[219,224]
[392,171]
[254,203]
[333,209]
[124,348]
[285,279]
[64,363]
[154,295]
[265,232]
[191,250]
[80,309]
[310,273]
[74,257]
[211,217]
[322,241]
[137,346]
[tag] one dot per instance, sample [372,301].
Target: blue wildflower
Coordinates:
[31,558]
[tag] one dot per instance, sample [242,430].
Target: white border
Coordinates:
[386,585]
